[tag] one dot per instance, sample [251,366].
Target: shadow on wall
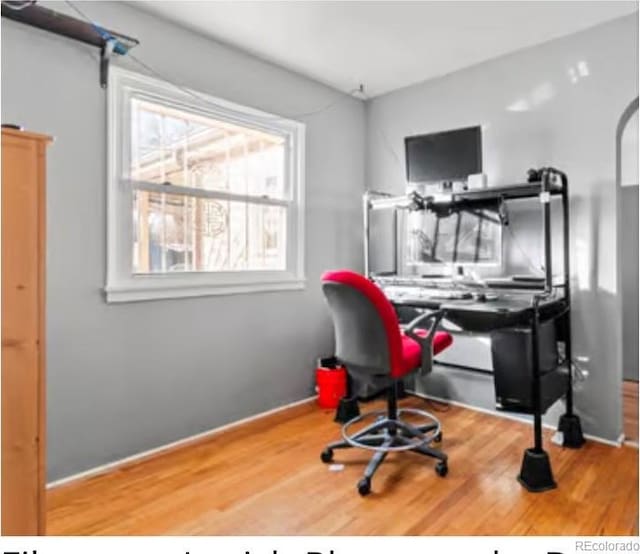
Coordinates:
[598,373]
[593,299]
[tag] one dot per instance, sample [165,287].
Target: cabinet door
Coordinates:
[22,494]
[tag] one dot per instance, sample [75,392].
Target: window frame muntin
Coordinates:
[216,114]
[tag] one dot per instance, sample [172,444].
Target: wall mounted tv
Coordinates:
[444,157]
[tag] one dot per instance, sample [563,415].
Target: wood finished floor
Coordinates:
[265,478]
[630,410]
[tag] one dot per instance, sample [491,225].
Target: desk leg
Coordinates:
[348,407]
[535,473]
[569,423]
[569,426]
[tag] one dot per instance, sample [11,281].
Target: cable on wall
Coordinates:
[353,93]
[109,42]
[18,6]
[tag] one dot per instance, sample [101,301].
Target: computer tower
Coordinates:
[512,356]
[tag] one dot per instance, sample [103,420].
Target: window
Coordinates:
[205,196]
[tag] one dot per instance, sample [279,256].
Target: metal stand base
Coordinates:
[535,474]
[347,410]
[389,433]
[569,426]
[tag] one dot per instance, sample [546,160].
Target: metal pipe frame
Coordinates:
[567,290]
[535,384]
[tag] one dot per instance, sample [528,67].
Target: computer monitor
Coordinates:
[433,243]
[444,157]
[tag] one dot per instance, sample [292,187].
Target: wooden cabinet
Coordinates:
[23,332]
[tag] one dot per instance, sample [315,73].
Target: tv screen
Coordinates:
[446,156]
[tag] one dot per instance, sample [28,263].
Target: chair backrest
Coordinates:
[367,333]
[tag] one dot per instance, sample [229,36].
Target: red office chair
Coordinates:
[373,347]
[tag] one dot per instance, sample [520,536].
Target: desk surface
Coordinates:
[507,310]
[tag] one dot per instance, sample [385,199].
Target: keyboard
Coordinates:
[424,293]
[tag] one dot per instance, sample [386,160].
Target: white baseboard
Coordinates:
[211,432]
[175,444]
[617,443]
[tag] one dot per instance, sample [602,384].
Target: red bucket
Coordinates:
[331,383]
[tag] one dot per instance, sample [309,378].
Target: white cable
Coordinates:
[17,7]
[195,95]
[268,118]
[529,261]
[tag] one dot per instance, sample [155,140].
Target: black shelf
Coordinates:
[492,199]
[507,192]
[488,198]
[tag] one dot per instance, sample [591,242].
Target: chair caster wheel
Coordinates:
[438,437]
[327,455]
[364,486]
[442,469]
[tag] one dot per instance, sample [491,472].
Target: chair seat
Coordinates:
[412,351]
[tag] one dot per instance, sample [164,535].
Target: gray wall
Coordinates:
[629,277]
[128,377]
[555,104]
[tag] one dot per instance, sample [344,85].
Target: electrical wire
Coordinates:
[16,7]
[265,117]
[203,99]
[577,373]
[85,16]
[387,145]
[526,256]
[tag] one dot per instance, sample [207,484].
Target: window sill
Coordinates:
[138,293]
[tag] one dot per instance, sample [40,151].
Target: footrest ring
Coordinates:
[408,434]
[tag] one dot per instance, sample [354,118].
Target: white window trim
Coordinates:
[122,285]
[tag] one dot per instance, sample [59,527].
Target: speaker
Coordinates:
[512,356]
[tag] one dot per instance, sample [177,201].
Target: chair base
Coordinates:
[389,434]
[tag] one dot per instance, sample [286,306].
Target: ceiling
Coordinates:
[384,45]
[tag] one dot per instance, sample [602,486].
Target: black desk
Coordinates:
[509,310]
[512,309]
